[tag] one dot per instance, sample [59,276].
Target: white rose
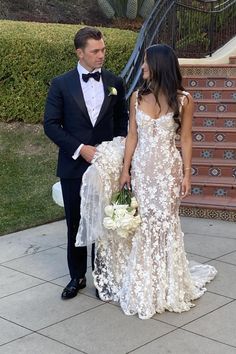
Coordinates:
[109,224]
[109,210]
[126,221]
[132,211]
[134,203]
[136,221]
[119,213]
[120,206]
[118,222]
[122,233]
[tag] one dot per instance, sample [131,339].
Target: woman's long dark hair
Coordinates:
[165,77]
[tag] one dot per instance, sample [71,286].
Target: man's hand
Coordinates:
[87,152]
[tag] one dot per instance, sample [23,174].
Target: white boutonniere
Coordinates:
[112,91]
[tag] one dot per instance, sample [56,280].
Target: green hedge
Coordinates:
[33,53]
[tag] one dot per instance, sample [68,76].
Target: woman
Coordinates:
[150,273]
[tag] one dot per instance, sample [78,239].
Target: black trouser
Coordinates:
[76,256]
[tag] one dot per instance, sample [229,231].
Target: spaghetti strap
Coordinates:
[136,100]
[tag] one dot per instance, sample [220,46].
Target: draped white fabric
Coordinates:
[99,182]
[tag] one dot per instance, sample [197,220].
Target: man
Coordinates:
[84,107]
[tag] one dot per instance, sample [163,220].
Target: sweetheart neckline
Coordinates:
[163,115]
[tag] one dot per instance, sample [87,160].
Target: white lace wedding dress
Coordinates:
[149,272]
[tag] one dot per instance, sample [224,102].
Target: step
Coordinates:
[213,134]
[205,189]
[219,106]
[223,93]
[216,119]
[211,153]
[209,66]
[222,188]
[211,82]
[209,202]
[213,170]
[232,60]
[214,181]
[212,150]
[210,71]
[211,145]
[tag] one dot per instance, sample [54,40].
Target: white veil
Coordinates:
[99,181]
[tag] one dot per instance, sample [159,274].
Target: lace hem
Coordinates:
[201,274]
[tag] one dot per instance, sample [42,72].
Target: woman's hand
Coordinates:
[125,179]
[186,187]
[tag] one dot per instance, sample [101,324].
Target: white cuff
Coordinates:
[77,152]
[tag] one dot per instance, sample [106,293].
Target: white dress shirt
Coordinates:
[93,93]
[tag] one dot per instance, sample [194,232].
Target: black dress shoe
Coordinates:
[72,288]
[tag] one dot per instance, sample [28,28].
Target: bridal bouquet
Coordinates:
[121,214]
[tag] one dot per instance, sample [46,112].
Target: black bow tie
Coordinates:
[95,75]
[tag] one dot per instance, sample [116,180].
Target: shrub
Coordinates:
[33,53]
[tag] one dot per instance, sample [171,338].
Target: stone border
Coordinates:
[225,215]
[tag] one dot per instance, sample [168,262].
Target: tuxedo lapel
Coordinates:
[77,93]
[107,98]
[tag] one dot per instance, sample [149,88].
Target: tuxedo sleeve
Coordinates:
[53,120]
[120,111]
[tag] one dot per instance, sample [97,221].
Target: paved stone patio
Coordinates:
[34,320]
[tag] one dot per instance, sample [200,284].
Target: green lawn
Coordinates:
[27,173]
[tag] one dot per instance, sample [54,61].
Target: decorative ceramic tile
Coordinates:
[228,71]
[220,192]
[197,95]
[229,83]
[196,190]
[233,95]
[193,83]
[202,108]
[207,154]
[216,95]
[211,83]
[226,215]
[229,155]
[221,108]
[194,171]
[199,137]
[219,137]
[215,171]
[229,123]
[209,123]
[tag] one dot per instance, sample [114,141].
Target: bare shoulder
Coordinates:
[134,97]
[134,94]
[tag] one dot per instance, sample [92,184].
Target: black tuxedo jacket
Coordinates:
[67,123]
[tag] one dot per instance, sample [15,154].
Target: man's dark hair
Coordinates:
[84,34]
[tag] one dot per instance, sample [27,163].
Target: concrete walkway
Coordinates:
[34,320]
